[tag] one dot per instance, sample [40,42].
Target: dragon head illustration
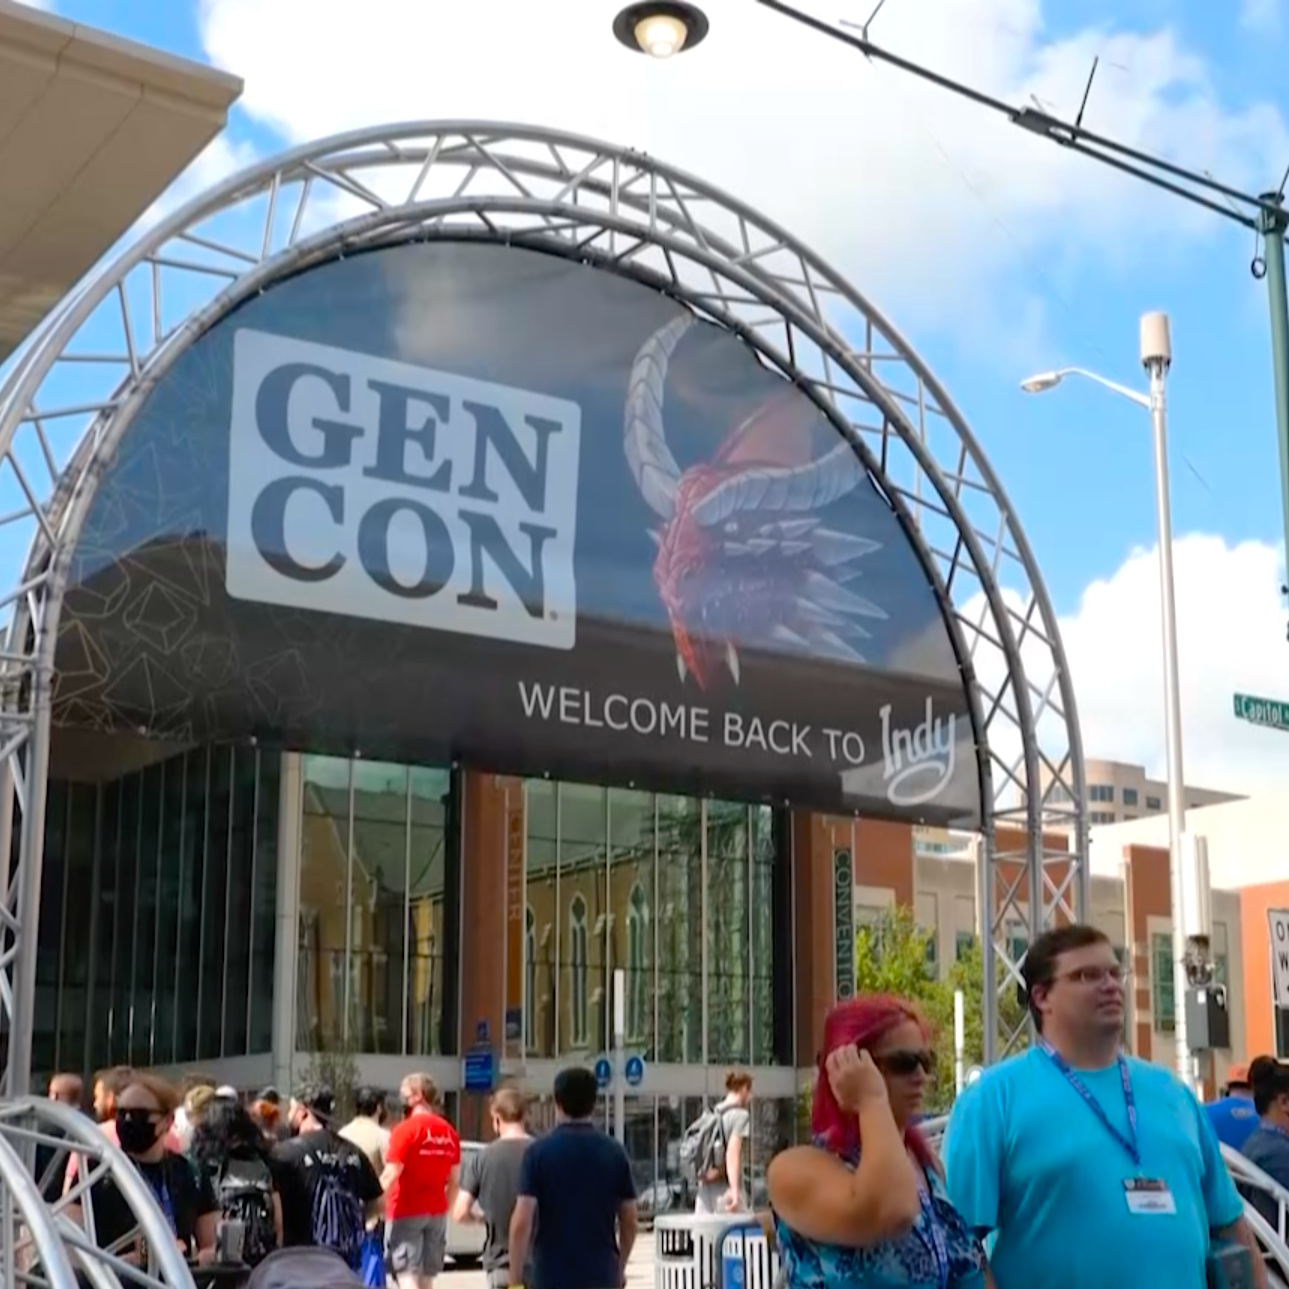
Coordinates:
[742,559]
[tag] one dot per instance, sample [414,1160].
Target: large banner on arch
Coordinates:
[459,500]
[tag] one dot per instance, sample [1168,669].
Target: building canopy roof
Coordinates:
[92,130]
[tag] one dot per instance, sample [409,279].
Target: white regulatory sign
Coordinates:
[1278,925]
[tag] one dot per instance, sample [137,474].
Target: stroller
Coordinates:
[303,1268]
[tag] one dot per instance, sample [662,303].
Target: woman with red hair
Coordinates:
[865,1207]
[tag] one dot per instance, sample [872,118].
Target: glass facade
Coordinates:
[158,905]
[690,898]
[379,901]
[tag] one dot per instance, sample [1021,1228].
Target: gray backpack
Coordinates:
[703,1147]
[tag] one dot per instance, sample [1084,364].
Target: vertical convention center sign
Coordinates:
[457,500]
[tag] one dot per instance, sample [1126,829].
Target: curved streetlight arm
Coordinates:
[1124,391]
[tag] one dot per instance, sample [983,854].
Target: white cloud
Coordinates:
[1231,625]
[926,202]
[1262,17]
[220,158]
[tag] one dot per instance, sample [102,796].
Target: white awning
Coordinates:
[92,130]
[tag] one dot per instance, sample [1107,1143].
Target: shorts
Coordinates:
[417,1245]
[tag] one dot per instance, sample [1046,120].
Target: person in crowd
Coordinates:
[420,1178]
[367,1131]
[143,1109]
[490,1185]
[266,1110]
[68,1090]
[1267,1146]
[1233,1116]
[575,1217]
[107,1087]
[865,1204]
[51,1162]
[197,1101]
[188,1086]
[367,1128]
[1084,1164]
[718,1142]
[231,1157]
[326,1183]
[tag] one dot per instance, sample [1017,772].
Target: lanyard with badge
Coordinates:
[1145,1195]
[936,1238]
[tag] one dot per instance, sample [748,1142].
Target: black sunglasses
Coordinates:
[902,1064]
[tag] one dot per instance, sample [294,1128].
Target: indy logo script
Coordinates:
[917,764]
[376,489]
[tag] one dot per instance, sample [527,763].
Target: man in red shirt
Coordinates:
[422,1171]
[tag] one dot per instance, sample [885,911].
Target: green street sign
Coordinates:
[1262,711]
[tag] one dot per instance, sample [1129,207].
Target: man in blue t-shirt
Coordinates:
[577,1192]
[1233,1117]
[1083,1166]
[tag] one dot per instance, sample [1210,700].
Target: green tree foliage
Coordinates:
[337,1070]
[893,956]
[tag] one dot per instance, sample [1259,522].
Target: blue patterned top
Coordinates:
[938,1253]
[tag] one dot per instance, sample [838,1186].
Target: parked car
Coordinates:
[466,1239]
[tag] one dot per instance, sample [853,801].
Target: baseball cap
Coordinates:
[1237,1075]
[320,1101]
[270,1095]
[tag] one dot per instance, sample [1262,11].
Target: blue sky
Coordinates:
[995,254]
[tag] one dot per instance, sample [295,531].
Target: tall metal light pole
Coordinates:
[1157,358]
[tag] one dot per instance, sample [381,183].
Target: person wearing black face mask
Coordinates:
[144,1113]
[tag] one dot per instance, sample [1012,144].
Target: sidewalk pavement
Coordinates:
[639,1270]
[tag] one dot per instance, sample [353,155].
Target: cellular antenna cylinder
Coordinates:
[1156,341]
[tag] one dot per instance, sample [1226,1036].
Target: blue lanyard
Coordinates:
[162,1194]
[1129,1143]
[935,1234]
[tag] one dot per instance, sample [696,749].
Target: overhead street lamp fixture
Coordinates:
[1044,381]
[660,28]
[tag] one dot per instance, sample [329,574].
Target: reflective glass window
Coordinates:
[432,937]
[378,896]
[144,935]
[152,966]
[376,944]
[264,910]
[324,883]
[686,897]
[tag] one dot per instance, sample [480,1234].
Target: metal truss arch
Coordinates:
[628,214]
[50,1243]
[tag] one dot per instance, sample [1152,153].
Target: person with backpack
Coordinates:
[327,1185]
[230,1154]
[713,1150]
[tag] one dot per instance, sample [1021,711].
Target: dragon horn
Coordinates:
[644,435]
[803,488]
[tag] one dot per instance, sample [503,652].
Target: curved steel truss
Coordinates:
[53,1244]
[96,358]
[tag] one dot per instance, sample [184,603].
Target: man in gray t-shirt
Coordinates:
[490,1180]
[727,1194]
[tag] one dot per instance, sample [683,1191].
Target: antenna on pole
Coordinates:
[1087,89]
